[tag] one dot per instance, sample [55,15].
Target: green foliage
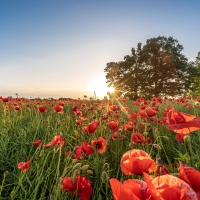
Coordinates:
[196,76]
[19,129]
[156,69]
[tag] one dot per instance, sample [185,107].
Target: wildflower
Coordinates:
[190,176]
[113,125]
[149,140]
[87,149]
[130,189]
[18,108]
[150,112]
[113,108]
[37,143]
[100,144]
[136,161]
[78,122]
[132,117]
[24,166]
[5,99]
[58,109]
[60,103]
[42,108]
[91,127]
[81,185]
[56,140]
[179,137]
[68,154]
[137,138]
[182,122]
[169,187]
[129,126]
[78,152]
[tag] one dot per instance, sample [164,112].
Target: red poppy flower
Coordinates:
[78,152]
[182,122]
[142,112]
[24,166]
[56,140]
[42,109]
[58,109]
[130,189]
[137,138]
[87,149]
[78,121]
[105,116]
[81,185]
[84,129]
[100,144]
[18,108]
[5,99]
[160,170]
[137,161]
[60,103]
[150,112]
[68,153]
[113,124]
[129,126]
[37,143]
[91,108]
[75,108]
[180,137]
[169,187]
[190,176]
[149,140]
[91,127]
[114,108]
[116,134]
[133,116]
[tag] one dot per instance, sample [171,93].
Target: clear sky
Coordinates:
[59,48]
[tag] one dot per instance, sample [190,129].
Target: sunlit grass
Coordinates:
[19,129]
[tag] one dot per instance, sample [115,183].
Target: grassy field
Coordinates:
[76,149]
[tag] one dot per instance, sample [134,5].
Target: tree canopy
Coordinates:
[158,68]
[196,76]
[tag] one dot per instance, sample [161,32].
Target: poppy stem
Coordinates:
[3,181]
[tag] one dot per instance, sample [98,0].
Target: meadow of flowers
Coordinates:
[100,149]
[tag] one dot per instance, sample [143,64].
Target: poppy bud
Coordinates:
[6,173]
[74,178]
[104,177]
[84,167]
[167,138]
[90,172]
[145,133]
[186,138]
[105,166]
[159,161]
[77,166]
[74,160]
[157,146]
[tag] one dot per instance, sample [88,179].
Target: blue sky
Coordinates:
[60,48]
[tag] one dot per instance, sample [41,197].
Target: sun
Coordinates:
[111,89]
[99,86]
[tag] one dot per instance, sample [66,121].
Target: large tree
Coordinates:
[127,76]
[156,69]
[167,66]
[196,76]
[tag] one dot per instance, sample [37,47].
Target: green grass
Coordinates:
[19,129]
